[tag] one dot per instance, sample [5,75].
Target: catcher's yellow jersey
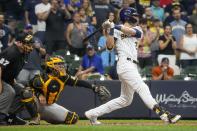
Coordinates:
[51,86]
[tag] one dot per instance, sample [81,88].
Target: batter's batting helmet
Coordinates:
[128,14]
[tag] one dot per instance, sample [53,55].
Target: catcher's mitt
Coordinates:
[103,93]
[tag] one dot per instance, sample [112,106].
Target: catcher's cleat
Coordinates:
[93,119]
[35,120]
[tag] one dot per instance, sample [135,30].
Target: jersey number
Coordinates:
[4,62]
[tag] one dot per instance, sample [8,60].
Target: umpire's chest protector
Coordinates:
[51,88]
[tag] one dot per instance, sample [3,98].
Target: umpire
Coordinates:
[12,60]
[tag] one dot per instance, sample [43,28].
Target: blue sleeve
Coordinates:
[83,62]
[138,33]
[66,2]
[102,41]
[100,65]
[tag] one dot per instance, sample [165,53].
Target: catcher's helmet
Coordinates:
[128,14]
[56,65]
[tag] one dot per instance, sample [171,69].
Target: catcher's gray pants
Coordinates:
[6,97]
[54,114]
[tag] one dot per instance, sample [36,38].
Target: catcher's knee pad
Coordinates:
[27,95]
[71,118]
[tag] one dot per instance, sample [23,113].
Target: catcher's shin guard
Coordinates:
[71,118]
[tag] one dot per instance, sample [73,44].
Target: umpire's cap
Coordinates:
[25,38]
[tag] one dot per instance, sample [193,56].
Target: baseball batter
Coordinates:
[126,37]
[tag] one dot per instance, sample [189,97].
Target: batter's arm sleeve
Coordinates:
[135,31]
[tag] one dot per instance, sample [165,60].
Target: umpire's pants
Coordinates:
[6,97]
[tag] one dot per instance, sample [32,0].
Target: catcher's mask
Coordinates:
[27,42]
[56,65]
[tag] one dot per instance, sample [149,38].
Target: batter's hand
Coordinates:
[108,24]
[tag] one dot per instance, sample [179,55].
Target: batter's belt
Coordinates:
[129,59]
[134,61]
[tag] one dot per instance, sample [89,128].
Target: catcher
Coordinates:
[50,84]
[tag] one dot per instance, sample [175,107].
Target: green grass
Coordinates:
[111,125]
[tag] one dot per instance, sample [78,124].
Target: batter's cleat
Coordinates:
[174,118]
[93,119]
[164,117]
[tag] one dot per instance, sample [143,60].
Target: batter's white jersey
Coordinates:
[127,45]
[128,74]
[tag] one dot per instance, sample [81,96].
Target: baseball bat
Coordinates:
[89,36]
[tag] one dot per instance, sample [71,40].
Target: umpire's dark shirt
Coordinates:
[11,62]
[55,26]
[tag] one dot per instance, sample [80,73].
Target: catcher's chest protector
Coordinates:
[51,88]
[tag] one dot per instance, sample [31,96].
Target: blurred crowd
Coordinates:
[168,46]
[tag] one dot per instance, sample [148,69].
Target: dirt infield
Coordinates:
[140,123]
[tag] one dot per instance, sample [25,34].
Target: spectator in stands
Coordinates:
[5,34]
[30,16]
[15,9]
[102,9]
[164,3]
[188,46]
[162,72]
[113,75]
[167,46]
[144,51]
[148,15]
[188,5]
[73,5]
[107,56]
[55,40]
[85,20]
[145,3]
[169,13]
[157,30]
[91,64]
[42,11]
[158,12]
[178,25]
[116,3]
[87,23]
[193,19]
[32,66]
[86,4]
[135,4]
[75,33]
[174,4]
